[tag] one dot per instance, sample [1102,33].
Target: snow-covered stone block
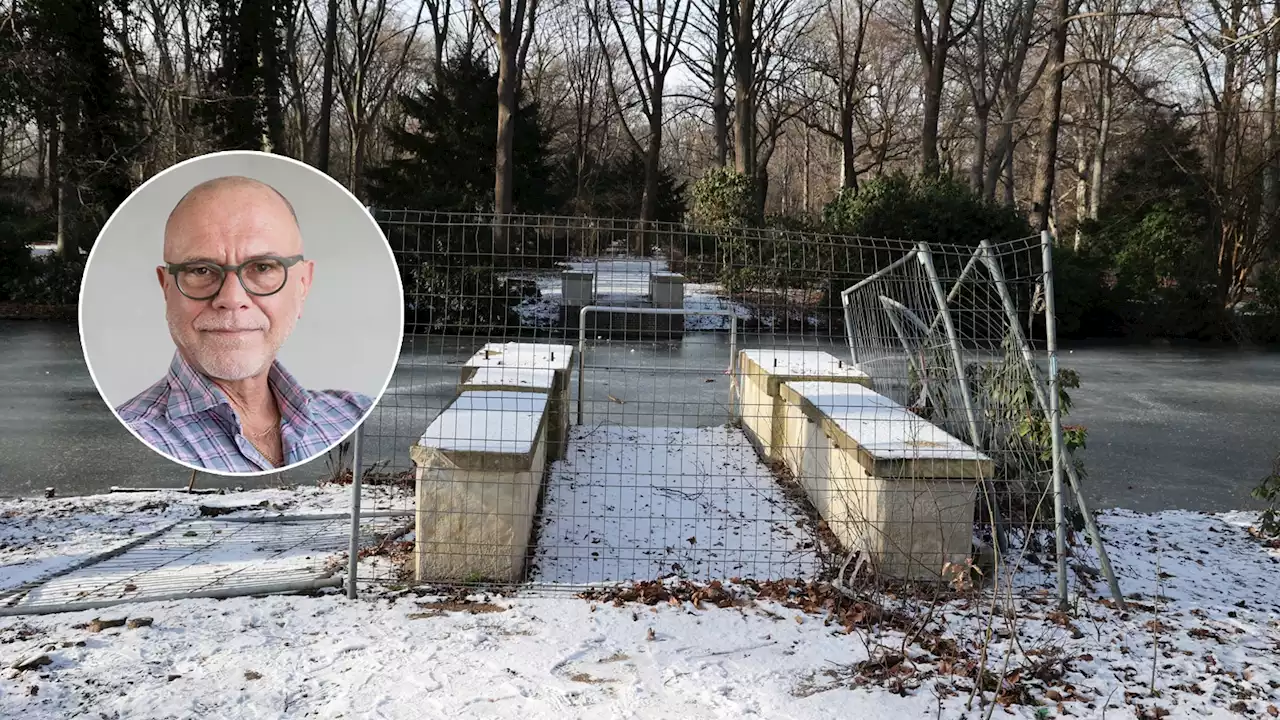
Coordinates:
[577,288]
[761,374]
[527,367]
[886,481]
[666,289]
[479,468]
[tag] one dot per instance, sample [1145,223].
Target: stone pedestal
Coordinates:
[528,367]
[577,290]
[479,470]
[760,375]
[886,481]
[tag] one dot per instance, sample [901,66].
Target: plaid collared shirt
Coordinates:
[187,417]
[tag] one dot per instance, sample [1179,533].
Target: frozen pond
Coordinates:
[1168,427]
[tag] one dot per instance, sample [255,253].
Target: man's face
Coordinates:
[233,335]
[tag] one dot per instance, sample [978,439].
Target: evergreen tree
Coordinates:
[66,78]
[1154,231]
[246,113]
[444,153]
[616,190]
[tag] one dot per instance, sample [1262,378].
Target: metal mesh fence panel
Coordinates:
[727,404]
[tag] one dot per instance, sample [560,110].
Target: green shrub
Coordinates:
[922,209]
[900,207]
[723,199]
[1269,492]
[49,281]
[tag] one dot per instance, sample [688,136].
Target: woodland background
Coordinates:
[1141,133]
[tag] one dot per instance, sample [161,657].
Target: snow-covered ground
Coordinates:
[640,503]
[624,281]
[1201,639]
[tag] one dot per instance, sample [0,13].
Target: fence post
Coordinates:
[1055,414]
[733,370]
[353,551]
[957,361]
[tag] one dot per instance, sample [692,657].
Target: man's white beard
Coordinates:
[231,359]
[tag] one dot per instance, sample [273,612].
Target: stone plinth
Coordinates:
[479,468]
[760,375]
[528,367]
[885,480]
[577,288]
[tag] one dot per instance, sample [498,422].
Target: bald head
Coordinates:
[221,199]
[230,221]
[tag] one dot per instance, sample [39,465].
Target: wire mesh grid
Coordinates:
[585,401]
[205,558]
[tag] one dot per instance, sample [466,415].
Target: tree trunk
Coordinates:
[808,170]
[929,165]
[1270,200]
[42,155]
[933,49]
[273,73]
[719,79]
[1008,177]
[61,174]
[744,91]
[326,88]
[1050,122]
[977,175]
[652,165]
[1098,167]
[1082,185]
[504,161]
[848,151]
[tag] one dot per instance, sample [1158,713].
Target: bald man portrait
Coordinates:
[235,279]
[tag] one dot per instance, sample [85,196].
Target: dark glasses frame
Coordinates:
[286,262]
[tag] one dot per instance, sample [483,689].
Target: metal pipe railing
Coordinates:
[733,342]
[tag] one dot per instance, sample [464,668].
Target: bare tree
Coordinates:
[656,33]
[936,33]
[511,34]
[1050,121]
[840,62]
[370,60]
[1227,46]
[992,65]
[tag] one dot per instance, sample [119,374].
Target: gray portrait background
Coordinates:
[348,337]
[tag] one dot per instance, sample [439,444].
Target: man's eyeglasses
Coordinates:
[260,276]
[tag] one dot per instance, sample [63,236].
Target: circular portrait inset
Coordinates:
[241,313]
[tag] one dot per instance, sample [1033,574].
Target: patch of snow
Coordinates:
[709,296]
[641,503]
[881,426]
[1211,634]
[803,363]
[493,421]
[536,378]
[524,356]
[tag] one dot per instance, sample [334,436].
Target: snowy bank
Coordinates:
[1205,616]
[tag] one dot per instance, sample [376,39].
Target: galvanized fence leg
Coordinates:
[1055,419]
[944,310]
[1061,461]
[353,551]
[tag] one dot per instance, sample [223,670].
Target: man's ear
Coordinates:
[160,273]
[307,268]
